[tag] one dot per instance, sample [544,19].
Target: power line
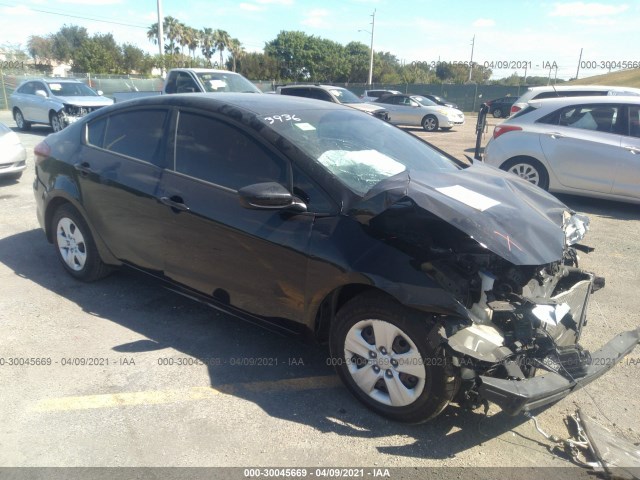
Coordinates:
[65,14]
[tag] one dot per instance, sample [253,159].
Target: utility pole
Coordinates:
[473,41]
[579,60]
[373,26]
[161,35]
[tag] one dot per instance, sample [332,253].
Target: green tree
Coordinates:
[207,44]
[258,66]
[294,51]
[358,55]
[134,59]
[98,54]
[41,48]
[67,41]
[237,51]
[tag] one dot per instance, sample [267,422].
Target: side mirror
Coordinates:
[41,93]
[269,196]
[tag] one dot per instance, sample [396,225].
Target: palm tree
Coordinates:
[171,27]
[194,41]
[207,43]
[152,33]
[221,41]
[236,49]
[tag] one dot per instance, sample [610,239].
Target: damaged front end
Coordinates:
[521,349]
[71,113]
[509,258]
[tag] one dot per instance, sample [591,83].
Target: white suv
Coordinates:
[540,93]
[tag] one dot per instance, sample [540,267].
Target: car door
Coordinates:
[253,260]
[627,181]
[39,108]
[394,104]
[24,98]
[582,146]
[119,169]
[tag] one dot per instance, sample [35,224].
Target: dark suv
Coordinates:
[329,93]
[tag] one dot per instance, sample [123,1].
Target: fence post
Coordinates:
[4,91]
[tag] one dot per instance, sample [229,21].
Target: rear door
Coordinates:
[582,145]
[253,260]
[119,170]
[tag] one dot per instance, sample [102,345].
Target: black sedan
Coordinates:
[430,280]
[500,107]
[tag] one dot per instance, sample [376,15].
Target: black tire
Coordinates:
[11,176]
[21,123]
[422,399]
[430,123]
[497,113]
[56,122]
[445,129]
[529,169]
[75,246]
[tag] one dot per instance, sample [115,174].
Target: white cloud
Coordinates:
[91,2]
[250,7]
[275,2]
[581,9]
[484,22]
[317,18]
[18,10]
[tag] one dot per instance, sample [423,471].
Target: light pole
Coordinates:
[160,35]
[373,26]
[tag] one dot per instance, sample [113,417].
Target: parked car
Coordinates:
[581,145]
[552,91]
[500,107]
[420,111]
[440,101]
[196,80]
[329,93]
[53,101]
[431,280]
[374,95]
[13,156]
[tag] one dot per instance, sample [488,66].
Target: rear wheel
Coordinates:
[497,113]
[75,245]
[430,123]
[21,123]
[380,352]
[528,168]
[55,120]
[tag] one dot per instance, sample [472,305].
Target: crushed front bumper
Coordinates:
[515,396]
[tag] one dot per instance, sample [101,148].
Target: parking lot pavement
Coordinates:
[124,373]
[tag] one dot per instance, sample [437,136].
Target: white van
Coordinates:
[540,93]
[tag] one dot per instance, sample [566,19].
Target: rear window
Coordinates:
[524,111]
[571,93]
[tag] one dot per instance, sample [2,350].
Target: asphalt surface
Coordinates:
[122,372]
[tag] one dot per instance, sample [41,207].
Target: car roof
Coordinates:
[593,88]
[586,100]
[253,103]
[324,87]
[52,80]
[204,70]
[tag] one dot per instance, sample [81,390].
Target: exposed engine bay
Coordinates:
[521,318]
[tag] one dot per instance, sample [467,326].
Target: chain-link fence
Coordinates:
[469,98]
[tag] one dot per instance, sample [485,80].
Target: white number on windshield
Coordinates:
[285,117]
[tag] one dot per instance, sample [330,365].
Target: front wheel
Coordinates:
[55,119]
[430,123]
[380,352]
[75,245]
[528,168]
[497,113]
[21,123]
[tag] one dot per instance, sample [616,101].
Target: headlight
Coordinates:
[575,227]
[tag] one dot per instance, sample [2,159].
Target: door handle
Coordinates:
[555,135]
[175,202]
[84,168]
[631,149]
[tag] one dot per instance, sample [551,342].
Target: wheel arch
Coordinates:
[550,176]
[62,198]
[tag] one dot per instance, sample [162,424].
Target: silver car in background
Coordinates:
[13,157]
[416,110]
[586,146]
[53,101]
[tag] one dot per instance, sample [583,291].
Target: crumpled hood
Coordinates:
[509,216]
[86,101]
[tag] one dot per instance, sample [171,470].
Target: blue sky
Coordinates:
[529,32]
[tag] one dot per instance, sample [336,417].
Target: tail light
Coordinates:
[501,129]
[515,109]
[42,151]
